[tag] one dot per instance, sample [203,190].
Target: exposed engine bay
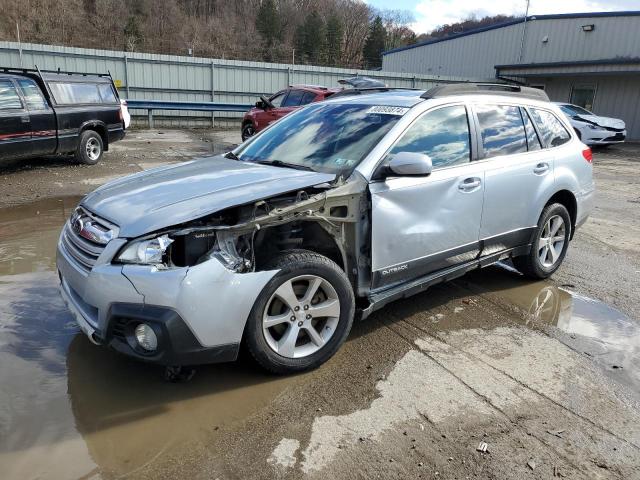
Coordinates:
[331,220]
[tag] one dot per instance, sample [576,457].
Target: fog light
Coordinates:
[146,337]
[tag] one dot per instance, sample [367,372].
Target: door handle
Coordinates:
[541,168]
[469,184]
[24,118]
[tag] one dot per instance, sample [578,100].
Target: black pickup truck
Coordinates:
[46,113]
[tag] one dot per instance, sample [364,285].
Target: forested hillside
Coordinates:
[346,33]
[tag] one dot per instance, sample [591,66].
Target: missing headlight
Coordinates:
[190,248]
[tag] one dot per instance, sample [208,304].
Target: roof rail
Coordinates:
[360,91]
[485,89]
[58,71]
[303,85]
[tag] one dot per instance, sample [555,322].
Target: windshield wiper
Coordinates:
[231,155]
[280,163]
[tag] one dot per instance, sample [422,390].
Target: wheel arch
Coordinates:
[309,235]
[100,128]
[568,199]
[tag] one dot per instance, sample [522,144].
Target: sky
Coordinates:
[430,14]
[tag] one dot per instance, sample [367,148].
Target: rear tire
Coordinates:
[90,148]
[549,245]
[321,303]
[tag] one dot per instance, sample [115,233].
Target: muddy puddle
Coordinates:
[69,409]
[594,328]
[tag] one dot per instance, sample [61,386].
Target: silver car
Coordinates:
[324,217]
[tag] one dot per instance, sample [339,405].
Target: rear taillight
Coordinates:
[587,154]
[120,117]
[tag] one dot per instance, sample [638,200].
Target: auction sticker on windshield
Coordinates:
[386,110]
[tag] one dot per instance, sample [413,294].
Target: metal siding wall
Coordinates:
[472,55]
[169,77]
[476,55]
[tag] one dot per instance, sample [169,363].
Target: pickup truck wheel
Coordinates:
[302,316]
[248,131]
[550,243]
[90,148]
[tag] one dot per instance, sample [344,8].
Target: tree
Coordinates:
[374,45]
[269,26]
[334,40]
[314,37]
[396,24]
[132,34]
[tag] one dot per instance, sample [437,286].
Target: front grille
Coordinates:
[84,251]
[611,129]
[617,136]
[119,328]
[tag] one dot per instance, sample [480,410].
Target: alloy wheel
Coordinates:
[551,241]
[93,148]
[301,316]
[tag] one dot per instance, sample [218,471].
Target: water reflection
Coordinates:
[67,407]
[610,337]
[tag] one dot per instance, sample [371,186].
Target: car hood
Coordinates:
[602,121]
[174,194]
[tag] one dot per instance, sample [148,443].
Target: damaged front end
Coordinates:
[330,220]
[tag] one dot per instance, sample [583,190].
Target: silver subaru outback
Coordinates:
[324,217]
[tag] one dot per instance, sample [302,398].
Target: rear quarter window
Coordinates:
[106,93]
[551,129]
[67,93]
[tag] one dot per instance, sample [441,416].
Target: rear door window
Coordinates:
[294,98]
[9,98]
[443,134]
[66,93]
[32,95]
[533,142]
[502,130]
[308,97]
[553,132]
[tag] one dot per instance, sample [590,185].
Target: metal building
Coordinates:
[590,59]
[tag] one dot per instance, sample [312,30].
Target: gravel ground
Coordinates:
[490,376]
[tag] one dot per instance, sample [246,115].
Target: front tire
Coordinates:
[302,316]
[248,131]
[90,148]
[550,243]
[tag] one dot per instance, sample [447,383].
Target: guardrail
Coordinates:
[151,105]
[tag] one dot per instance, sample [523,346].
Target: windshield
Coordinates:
[330,138]
[574,110]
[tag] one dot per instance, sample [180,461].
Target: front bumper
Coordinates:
[603,136]
[199,313]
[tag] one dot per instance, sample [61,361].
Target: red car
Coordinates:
[268,110]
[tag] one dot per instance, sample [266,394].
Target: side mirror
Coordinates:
[410,164]
[260,104]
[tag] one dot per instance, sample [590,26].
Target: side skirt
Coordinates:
[380,297]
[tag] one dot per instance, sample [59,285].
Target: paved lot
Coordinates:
[546,374]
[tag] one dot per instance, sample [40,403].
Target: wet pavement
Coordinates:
[69,409]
